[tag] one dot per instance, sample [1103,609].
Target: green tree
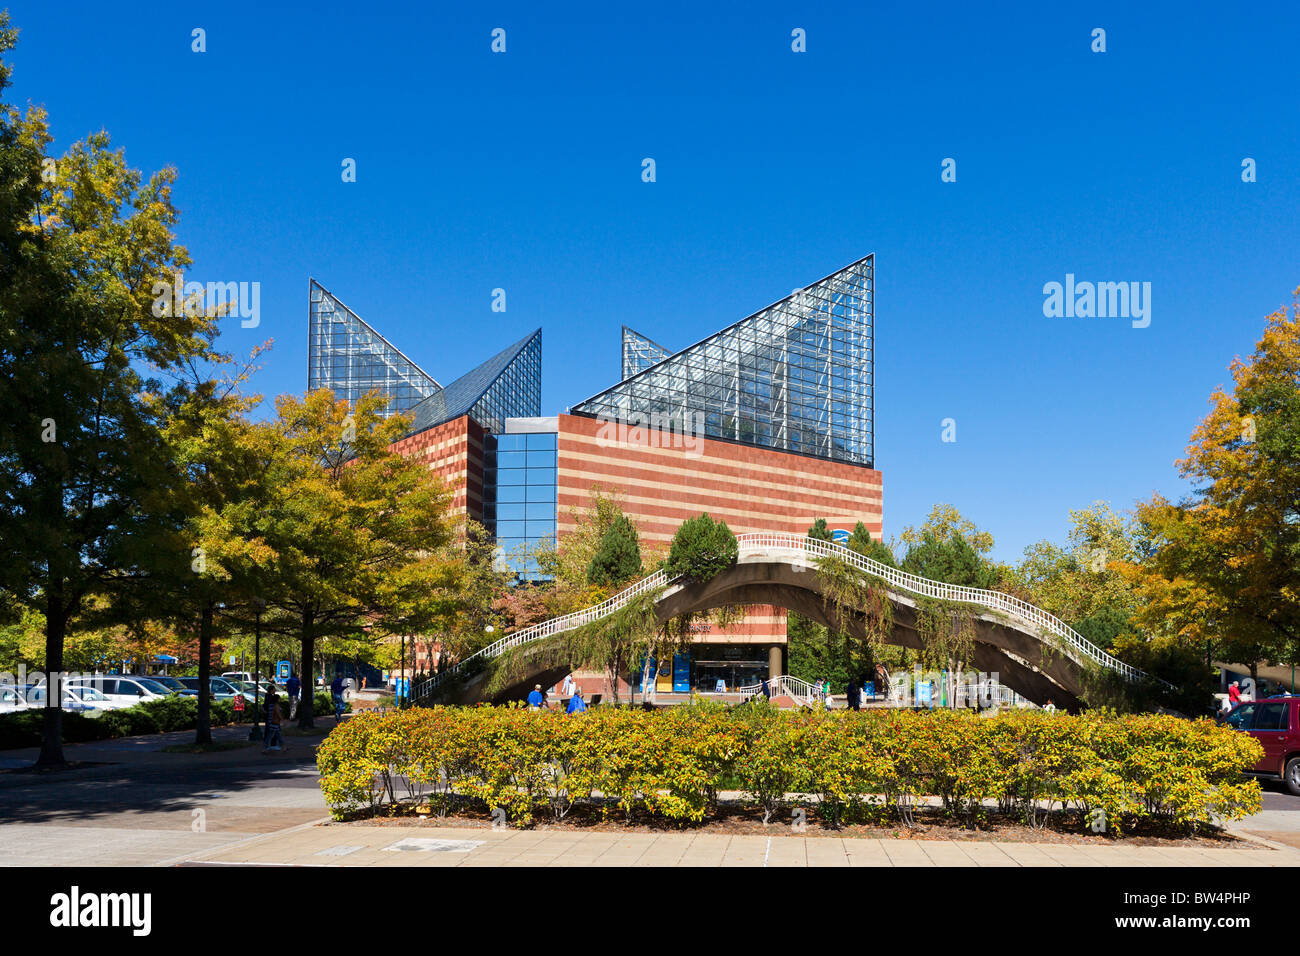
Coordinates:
[816,652]
[618,556]
[219,471]
[952,560]
[83,242]
[701,549]
[945,521]
[862,542]
[345,532]
[481,585]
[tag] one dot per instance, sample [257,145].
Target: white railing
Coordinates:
[556,625]
[1073,644]
[793,687]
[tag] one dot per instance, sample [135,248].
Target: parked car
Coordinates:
[71,699]
[171,683]
[1275,723]
[221,689]
[121,690]
[237,675]
[93,698]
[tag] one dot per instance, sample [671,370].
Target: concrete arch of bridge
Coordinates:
[1014,651]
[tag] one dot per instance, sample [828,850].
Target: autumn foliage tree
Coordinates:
[1223,565]
[347,536]
[83,240]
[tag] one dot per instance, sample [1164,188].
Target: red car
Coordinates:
[1275,723]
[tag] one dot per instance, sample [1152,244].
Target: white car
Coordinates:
[71,700]
[93,698]
[124,691]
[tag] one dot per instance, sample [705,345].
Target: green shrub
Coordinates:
[869,765]
[23,729]
[701,549]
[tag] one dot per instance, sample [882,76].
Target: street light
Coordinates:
[259,606]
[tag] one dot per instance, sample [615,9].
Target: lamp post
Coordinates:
[258,607]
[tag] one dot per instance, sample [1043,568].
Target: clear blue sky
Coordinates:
[522,171]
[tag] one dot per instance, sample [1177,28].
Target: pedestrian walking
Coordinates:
[336,692]
[293,689]
[576,704]
[767,689]
[1234,694]
[566,689]
[535,698]
[855,694]
[272,738]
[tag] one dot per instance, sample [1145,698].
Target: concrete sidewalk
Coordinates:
[132,804]
[374,845]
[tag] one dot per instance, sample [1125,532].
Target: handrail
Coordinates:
[793,687]
[1071,641]
[916,584]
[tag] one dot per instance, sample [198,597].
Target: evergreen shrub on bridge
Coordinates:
[872,766]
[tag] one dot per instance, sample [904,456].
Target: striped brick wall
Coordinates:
[453,450]
[662,483]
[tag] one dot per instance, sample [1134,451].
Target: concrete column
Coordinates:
[774,661]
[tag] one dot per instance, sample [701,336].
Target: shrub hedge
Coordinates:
[867,766]
[23,728]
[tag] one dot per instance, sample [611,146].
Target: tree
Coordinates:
[1083,582]
[617,560]
[353,532]
[945,521]
[218,469]
[481,585]
[819,652]
[952,560]
[1223,565]
[861,542]
[702,549]
[83,241]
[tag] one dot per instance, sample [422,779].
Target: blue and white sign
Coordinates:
[924,693]
[840,536]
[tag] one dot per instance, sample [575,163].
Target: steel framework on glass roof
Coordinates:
[639,353]
[350,358]
[798,376]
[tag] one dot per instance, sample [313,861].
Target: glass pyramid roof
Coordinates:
[798,375]
[350,358]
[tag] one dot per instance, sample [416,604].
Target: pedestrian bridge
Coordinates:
[1034,653]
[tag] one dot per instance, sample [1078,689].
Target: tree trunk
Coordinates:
[52,725]
[308,654]
[203,726]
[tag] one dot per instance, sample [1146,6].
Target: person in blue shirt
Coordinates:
[535,699]
[336,691]
[291,690]
[576,703]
